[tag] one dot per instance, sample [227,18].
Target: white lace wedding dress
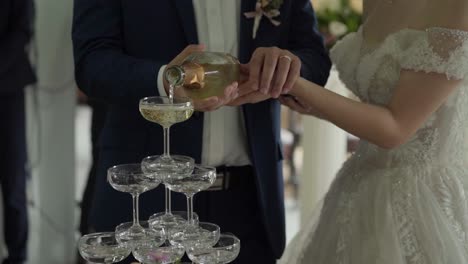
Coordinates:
[407,205]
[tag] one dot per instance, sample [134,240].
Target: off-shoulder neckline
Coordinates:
[382,43]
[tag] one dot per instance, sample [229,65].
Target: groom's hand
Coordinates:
[215,102]
[273,71]
[207,104]
[248,93]
[178,61]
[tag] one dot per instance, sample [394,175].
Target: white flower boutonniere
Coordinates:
[267,8]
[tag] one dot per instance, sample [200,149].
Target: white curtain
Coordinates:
[50,115]
[324,152]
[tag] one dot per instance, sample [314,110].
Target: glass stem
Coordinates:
[190,209]
[166,155]
[136,213]
[168,201]
[167,147]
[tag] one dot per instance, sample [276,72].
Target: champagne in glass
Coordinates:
[167,111]
[204,74]
[166,115]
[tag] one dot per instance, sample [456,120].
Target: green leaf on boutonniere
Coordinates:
[268,5]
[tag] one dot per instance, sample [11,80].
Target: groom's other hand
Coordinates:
[180,58]
[212,103]
[273,71]
[208,104]
[248,91]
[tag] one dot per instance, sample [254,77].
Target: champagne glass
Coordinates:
[167,111]
[149,253]
[201,178]
[203,235]
[225,251]
[132,179]
[102,248]
[179,220]
[181,165]
[153,234]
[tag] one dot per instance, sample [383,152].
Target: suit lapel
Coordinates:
[246,29]
[246,47]
[187,16]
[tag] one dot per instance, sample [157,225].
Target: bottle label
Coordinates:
[194,76]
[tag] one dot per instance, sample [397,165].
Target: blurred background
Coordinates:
[61,129]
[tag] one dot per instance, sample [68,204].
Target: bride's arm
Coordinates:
[416,97]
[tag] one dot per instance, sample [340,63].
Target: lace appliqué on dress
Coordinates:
[439,50]
[403,213]
[419,215]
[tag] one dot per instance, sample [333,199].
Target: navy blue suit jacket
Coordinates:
[119,47]
[15,33]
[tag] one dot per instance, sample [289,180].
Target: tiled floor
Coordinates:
[83,156]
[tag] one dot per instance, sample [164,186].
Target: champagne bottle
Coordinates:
[204,74]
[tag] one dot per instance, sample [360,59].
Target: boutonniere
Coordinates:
[267,8]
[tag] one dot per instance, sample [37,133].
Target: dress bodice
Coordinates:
[373,74]
[407,205]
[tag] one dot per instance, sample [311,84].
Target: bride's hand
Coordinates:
[273,71]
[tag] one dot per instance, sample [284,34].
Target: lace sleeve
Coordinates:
[441,50]
[346,58]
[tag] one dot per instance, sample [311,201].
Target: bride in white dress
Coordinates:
[402,198]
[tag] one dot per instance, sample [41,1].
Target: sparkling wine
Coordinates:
[171,92]
[166,114]
[204,74]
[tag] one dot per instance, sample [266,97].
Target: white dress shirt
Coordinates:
[224,135]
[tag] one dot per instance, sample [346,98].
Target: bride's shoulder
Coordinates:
[440,45]
[450,14]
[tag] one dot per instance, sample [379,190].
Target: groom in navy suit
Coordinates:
[121,49]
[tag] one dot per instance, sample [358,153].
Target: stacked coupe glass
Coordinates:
[166,236]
